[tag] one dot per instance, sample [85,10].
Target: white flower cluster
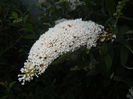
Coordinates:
[42,1]
[67,36]
[74,3]
[130,94]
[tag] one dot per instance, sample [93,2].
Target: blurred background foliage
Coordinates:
[104,72]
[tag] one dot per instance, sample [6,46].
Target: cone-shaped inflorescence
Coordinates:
[66,36]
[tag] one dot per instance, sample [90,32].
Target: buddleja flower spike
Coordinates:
[66,36]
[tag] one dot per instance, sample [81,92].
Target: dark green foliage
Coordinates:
[104,72]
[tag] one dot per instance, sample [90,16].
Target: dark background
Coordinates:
[106,72]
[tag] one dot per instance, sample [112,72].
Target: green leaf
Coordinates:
[14,15]
[29,36]
[4,97]
[108,62]
[129,48]
[127,45]
[126,18]
[25,18]
[123,55]
[110,6]
[27,28]
[11,84]
[75,68]
[103,49]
